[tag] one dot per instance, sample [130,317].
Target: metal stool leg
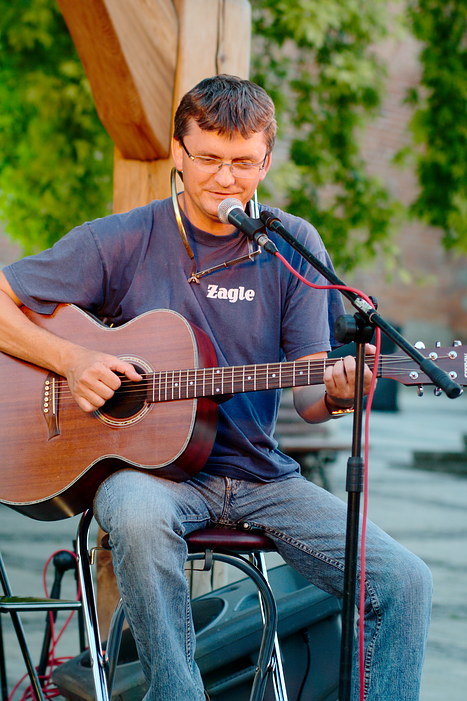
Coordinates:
[113,643]
[278,678]
[98,658]
[266,649]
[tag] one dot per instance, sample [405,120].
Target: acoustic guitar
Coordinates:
[54,456]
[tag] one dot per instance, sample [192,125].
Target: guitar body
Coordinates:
[54,457]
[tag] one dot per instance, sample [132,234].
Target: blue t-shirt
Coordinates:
[256,311]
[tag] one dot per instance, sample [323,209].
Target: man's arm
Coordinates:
[314,403]
[90,374]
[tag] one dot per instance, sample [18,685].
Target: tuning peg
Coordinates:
[456,343]
[420,391]
[420,345]
[437,391]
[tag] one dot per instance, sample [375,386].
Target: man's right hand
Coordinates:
[91,376]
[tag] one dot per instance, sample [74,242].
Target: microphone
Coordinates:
[230,211]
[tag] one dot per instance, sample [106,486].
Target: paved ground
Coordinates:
[424,510]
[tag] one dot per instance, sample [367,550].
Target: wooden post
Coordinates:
[214,37]
[140,60]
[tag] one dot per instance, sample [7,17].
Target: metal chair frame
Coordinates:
[14,605]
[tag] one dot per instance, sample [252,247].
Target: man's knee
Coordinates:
[133,503]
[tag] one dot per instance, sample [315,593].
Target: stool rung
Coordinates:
[30,603]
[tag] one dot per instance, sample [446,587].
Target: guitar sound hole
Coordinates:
[127,401]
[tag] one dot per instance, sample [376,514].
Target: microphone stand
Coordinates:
[359,328]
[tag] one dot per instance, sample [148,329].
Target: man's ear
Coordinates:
[177,154]
[267,165]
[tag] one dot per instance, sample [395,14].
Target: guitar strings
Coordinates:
[396,365]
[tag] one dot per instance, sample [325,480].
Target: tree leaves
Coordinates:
[55,157]
[438,125]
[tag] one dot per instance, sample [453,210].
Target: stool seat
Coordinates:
[229,539]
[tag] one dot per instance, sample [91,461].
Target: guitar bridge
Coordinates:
[50,404]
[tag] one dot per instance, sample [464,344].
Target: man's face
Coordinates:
[204,191]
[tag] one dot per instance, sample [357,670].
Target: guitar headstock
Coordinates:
[453,360]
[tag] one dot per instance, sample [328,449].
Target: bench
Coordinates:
[313,446]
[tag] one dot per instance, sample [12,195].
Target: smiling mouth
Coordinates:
[226,194]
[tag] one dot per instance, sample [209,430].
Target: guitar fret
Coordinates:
[218,388]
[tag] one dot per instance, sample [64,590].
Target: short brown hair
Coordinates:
[227,104]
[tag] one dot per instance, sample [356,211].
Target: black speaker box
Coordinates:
[228,632]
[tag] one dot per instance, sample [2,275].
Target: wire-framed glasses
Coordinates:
[239,169]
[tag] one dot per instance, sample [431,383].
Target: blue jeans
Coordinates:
[147,518]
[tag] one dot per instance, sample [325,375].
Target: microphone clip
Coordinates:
[231,210]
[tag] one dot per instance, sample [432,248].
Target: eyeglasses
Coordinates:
[239,169]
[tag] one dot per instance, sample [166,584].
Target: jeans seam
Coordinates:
[227,499]
[298,545]
[188,638]
[368,656]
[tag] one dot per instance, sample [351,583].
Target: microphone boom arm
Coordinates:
[440,378]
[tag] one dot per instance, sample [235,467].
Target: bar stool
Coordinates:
[229,546]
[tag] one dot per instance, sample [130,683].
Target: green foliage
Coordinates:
[439,125]
[315,60]
[55,157]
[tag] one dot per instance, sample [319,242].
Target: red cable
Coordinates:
[361,622]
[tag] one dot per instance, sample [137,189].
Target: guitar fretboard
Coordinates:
[165,386]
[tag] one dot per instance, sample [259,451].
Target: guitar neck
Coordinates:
[170,385]
[218,381]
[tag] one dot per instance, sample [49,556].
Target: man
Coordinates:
[123,265]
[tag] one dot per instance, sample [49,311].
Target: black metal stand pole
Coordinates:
[354,488]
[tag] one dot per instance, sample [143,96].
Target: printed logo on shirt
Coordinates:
[233,294]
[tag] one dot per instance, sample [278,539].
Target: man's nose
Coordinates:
[224,175]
